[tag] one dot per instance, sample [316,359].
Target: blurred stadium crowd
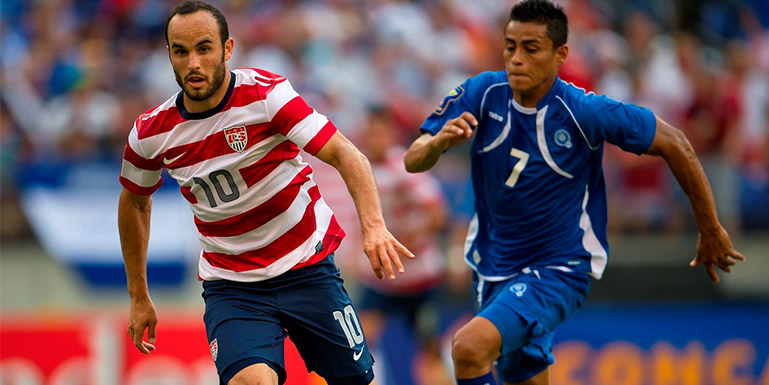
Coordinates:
[76,73]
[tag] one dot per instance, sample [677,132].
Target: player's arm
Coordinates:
[714,247]
[380,246]
[134,225]
[425,151]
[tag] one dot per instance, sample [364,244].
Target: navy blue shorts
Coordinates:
[526,309]
[246,323]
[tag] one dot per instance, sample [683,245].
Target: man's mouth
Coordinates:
[196,81]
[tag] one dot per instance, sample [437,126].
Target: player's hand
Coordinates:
[382,250]
[456,131]
[715,249]
[142,317]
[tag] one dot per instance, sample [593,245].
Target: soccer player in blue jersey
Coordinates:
[539,232]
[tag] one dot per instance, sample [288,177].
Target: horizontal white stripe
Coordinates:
[265,234]
[192,131]
[490,278]
[281,94]
[307,129]
[561,268]
[301,254]
[144,178]
[272,184]
[233,161]
[170,102]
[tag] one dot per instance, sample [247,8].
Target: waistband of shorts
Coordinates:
[323,267]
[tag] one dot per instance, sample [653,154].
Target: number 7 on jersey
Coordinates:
[523,157]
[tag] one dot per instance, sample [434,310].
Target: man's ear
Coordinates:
[228,46]
[561,53]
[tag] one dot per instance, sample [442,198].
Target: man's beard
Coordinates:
[200,95]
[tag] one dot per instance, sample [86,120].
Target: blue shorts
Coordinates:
[526,309]
[246,323]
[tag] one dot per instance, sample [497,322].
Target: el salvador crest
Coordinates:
[237,138]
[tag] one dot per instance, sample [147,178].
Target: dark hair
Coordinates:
[543,12]
[192,6]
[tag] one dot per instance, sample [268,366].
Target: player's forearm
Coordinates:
[423,153]
[683,162]
[356,172]
[134,227]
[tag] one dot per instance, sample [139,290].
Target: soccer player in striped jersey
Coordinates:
[231,139]
[539,232]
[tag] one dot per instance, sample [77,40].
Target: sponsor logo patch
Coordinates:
[237,138]
[356,355]
[496,116]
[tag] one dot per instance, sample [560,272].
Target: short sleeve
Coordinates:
[293,118]
[466,97]
[601,118]
[139,174]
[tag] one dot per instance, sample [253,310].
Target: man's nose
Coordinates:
[516,58]
[194,61]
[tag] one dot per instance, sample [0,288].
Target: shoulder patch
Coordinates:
[452,96]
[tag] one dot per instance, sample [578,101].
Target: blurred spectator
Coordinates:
[413,206]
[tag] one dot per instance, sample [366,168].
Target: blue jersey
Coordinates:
[540,197]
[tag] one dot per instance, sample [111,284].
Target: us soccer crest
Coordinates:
[237,138]
[214,346]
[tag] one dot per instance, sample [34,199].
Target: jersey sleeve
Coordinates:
[139,174]
[464,98]
[601,118]
[293,118]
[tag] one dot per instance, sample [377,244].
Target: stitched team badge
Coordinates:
[214,346]
[518,288]
[237,138]
[562,138]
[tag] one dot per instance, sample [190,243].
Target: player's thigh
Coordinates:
[243,329]
[256,374]
[324,325]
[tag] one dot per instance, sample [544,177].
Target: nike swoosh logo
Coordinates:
[356,355]
[174,159]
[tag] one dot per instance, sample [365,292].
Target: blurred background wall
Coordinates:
[75,74]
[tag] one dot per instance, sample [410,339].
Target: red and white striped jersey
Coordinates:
[256,206]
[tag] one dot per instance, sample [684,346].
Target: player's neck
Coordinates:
[532,96]
[195,106]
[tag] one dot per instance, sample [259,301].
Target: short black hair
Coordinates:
[543,12]
[192,6]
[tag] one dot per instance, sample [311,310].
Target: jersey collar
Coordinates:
[208,113]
